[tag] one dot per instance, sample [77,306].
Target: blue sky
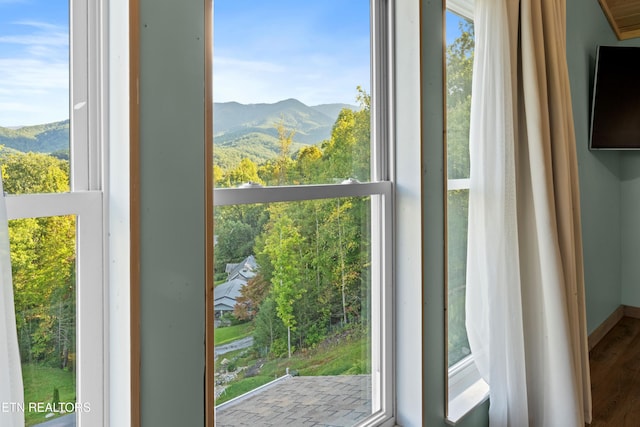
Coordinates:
[452,26]
[34,61]
[264,51]
[314,51]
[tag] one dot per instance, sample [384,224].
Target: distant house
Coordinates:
[238,275]
[246,269]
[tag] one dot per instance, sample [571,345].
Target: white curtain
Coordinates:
[525,286]
[11,391]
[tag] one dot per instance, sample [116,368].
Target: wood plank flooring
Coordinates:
[615,376]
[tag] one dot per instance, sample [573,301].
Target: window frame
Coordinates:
[465,388]
[381,190]
[88,133]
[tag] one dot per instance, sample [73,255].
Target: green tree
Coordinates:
[28,173]
[459,73]
[283,162]
[235,242]
[347,152]
[218,176]
[237,227]
[269,329]
[43,262]
[245,172]
[308,164]
[282,245]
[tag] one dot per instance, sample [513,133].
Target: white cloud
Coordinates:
[53,39]
[33,91]
[23,74]
[312,79]
[47,35]
[242,65]
[41,25]
[34,75]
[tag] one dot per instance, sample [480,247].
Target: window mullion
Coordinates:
[458,184]
[79,94]
[381,78]
[91,340]
[239,196]
[50,204]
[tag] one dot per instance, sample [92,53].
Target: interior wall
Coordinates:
[630,212]
[172,225]
[599,171]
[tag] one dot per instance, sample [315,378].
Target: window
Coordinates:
[50,63]
[466,389]
[304,202]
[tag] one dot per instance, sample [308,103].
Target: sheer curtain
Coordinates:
[11,391]
[525,287]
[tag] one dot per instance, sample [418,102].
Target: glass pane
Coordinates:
[291,92]
[460,48]
[43,257]
[457,213]
[292,305]
[34,93]
[459,69]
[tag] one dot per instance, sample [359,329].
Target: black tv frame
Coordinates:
[615,106]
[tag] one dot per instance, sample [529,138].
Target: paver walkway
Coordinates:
[302,401]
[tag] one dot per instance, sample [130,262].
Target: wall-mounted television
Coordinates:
[615,108]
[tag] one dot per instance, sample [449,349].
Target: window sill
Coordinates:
[467,390]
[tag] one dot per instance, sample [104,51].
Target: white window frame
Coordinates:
[87,22]
[380,190]
[465,388]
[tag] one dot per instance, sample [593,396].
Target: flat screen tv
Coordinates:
[615,109]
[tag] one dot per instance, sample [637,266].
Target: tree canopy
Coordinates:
[42,262]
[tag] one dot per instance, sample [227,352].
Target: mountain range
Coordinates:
[240,130]
[45,138]
[249,130]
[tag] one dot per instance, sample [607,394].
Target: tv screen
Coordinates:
[615,112]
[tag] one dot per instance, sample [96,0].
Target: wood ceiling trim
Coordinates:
[624,17]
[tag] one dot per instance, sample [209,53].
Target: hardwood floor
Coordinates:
[615,376]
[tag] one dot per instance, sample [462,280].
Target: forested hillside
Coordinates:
[42,262]
[43,249]
[314,256]
[46,138]
[250,130]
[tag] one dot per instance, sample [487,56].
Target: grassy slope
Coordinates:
[227,334]
[39,382]
[343,356]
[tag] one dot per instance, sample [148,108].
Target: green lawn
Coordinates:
[226,334]
[39,383]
